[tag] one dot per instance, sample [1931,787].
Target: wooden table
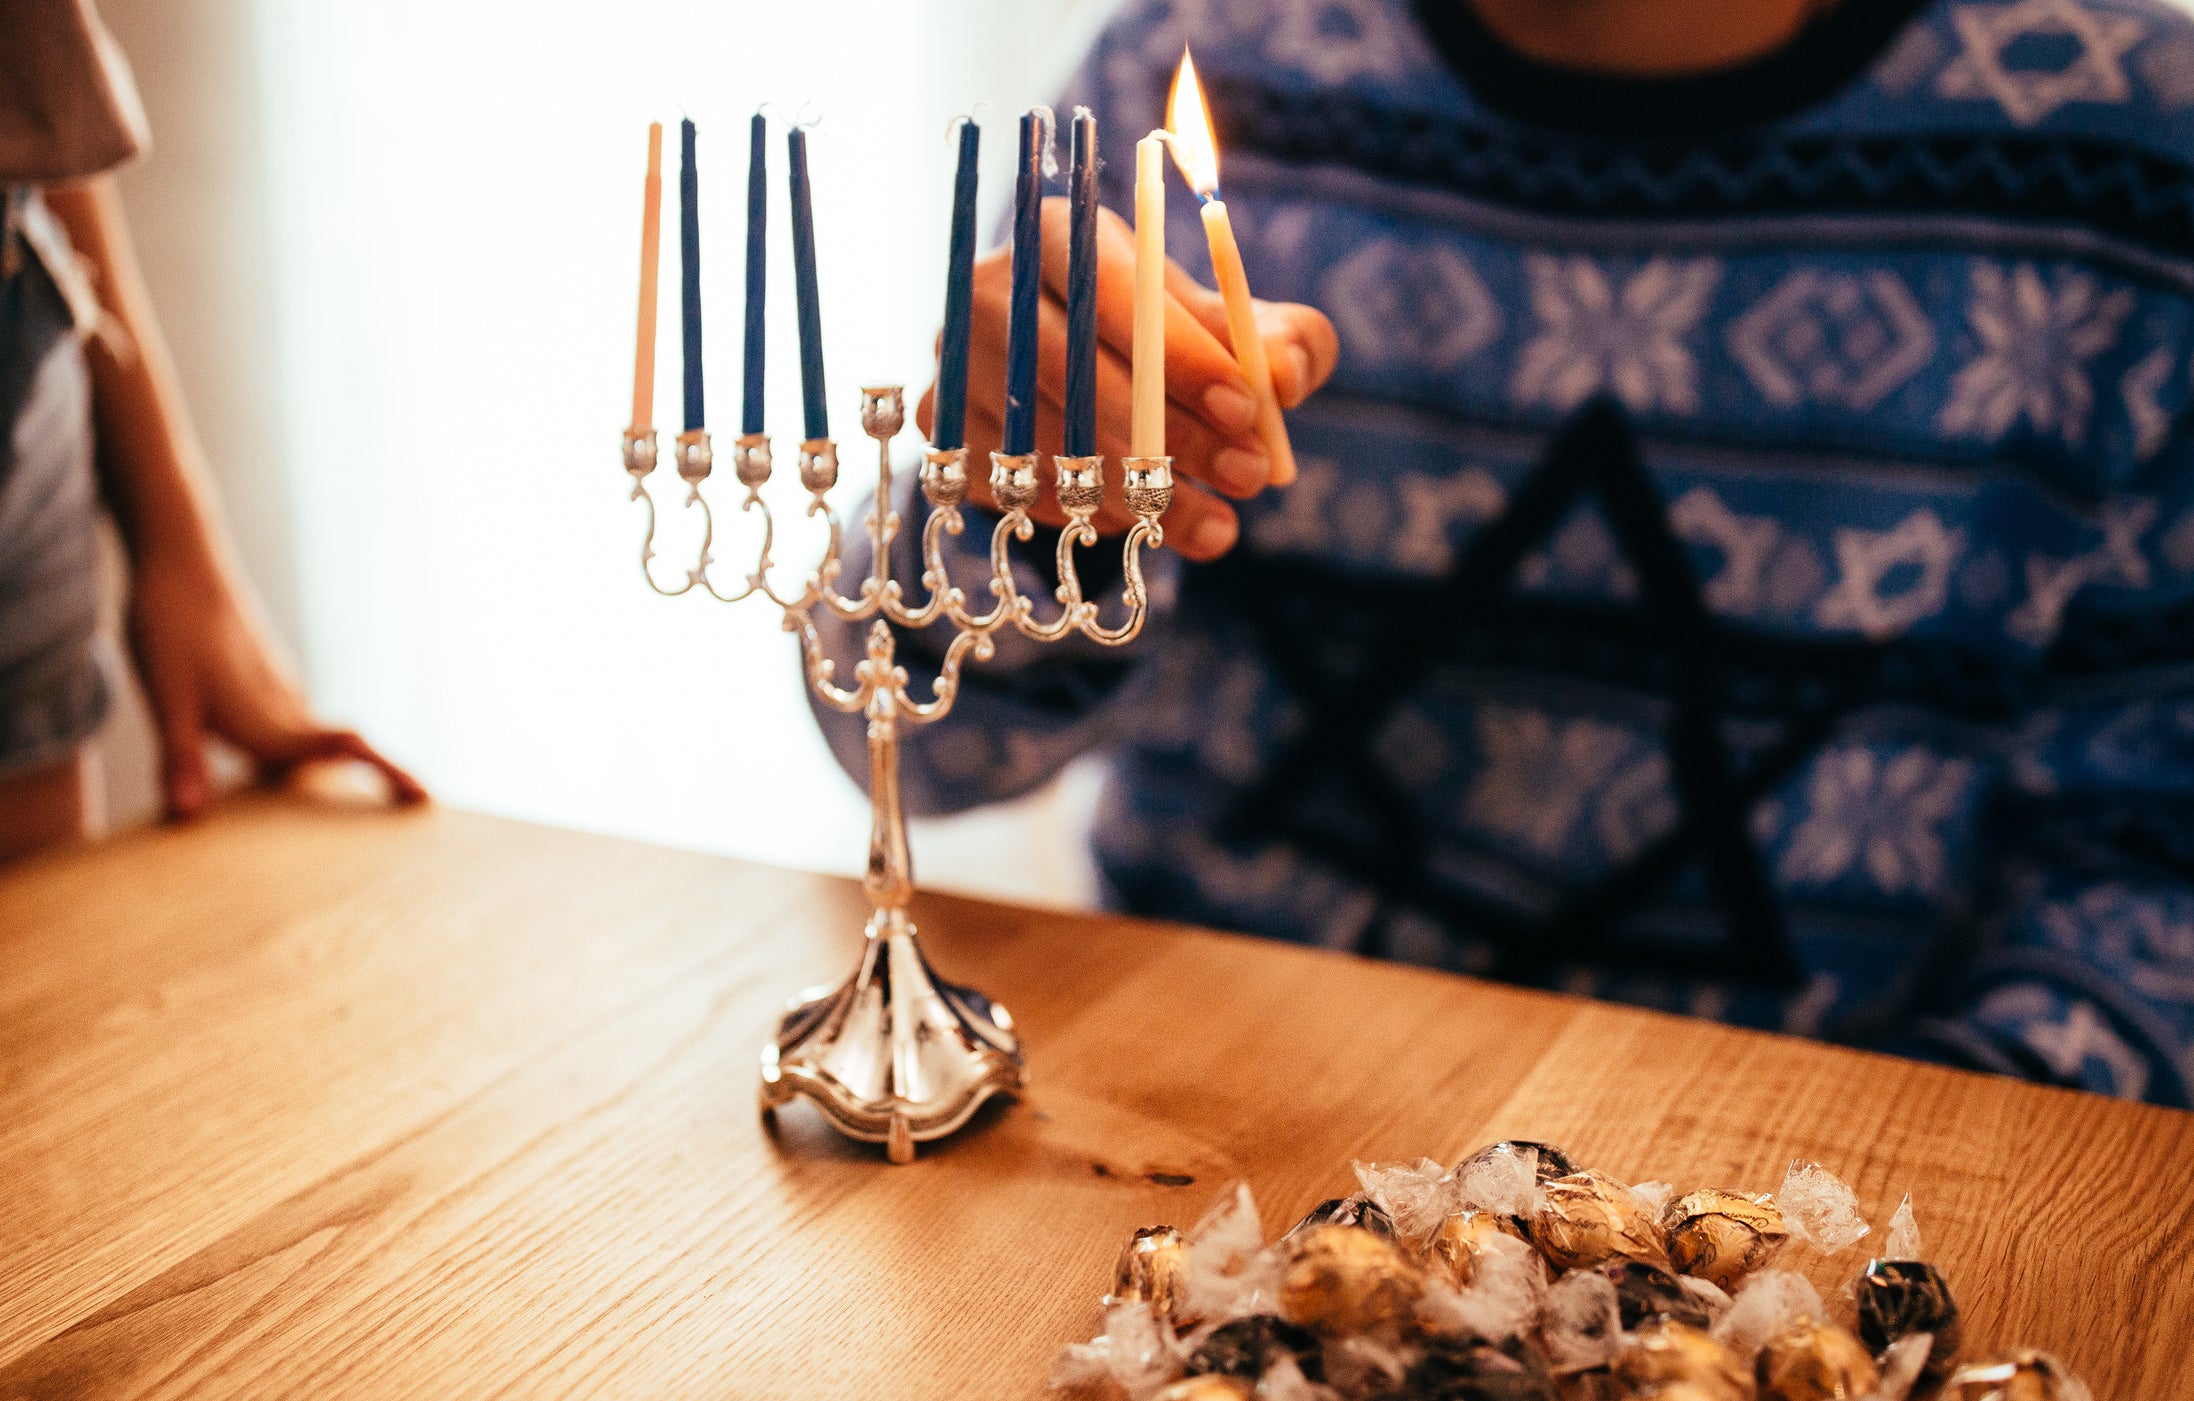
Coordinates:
[313,1102]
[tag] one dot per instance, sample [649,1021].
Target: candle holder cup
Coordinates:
[895,1054]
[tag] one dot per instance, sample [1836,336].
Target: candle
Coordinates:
[812,396]
[1028,254]
[951,413]
[1081,396]
[750,417]
[1147,423]
[689,258]
[651,240]
[1198,154]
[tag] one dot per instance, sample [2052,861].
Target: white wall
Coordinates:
[395,243]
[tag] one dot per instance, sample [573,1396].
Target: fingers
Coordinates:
[185,787]
[280,756]
[1301,347]
[1235,462]
[1197,357]
[1300,344]
[1199,525]
[1216,410]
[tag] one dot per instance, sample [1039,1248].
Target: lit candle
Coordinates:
[689,256]
[951,413]
[651,241]
[1198,154]
[812,396]
[1147,423]
[1081,406]
[750,418]
[1028,253]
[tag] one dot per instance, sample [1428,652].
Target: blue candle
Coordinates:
[1028,255]
[812,397]
[689,255]
[951,420]
[1081,426]
[750,419]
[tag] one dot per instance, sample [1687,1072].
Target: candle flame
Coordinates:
[1188,117]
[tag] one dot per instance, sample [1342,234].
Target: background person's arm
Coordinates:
[204,653]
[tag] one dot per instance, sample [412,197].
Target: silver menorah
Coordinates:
[895,1054]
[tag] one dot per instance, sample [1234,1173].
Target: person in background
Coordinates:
[1743,558]
[79,346]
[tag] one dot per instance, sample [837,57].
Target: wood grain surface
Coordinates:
[315,1102]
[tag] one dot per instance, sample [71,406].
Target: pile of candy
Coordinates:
[1516,1276]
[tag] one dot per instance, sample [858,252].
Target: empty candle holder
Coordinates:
[895,1054]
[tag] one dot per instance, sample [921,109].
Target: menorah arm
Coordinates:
[820,668]
[945,688]
[1146,533]
[641,494]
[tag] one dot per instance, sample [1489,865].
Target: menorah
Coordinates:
[895,1054]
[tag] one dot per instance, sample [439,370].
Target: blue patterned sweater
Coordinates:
[1744,563]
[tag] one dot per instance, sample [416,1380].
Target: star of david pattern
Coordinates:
[1755,582]
[2092,71]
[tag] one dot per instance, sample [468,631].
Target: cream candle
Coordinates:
[1147,421]
[1197,151]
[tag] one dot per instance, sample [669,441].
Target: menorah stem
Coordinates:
[890,876]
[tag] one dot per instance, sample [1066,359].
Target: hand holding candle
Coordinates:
[1203,414]
[1194,147]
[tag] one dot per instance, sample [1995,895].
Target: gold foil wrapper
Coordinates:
[2022,1374]
[1458,1243]
[1722,1236]
[1210,1387]
[1588,1217]
[1344,1279]
[1663,1353]
[1153,1270]
[1810,1360]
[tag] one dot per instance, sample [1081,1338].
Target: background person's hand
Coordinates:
[210,671]
[1211,416]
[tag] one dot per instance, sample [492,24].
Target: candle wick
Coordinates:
[803,121]
[1050,122]
[965,118]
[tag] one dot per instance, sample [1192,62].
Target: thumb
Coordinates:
[184,785]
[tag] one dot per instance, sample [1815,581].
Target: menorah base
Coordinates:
[894,1055]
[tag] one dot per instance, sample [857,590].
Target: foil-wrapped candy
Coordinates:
[1586,1217]
[1247,1347]
[1722,1236]
[1898,1298]
[1458,1243]
[1550,1162]
[1210,1387]
[1346,1279]
[1454,1369]
[1811,1359]
[1348,1211]
[1153,1270]
[1645,1291]
[1662,1352]
[2022,1374]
